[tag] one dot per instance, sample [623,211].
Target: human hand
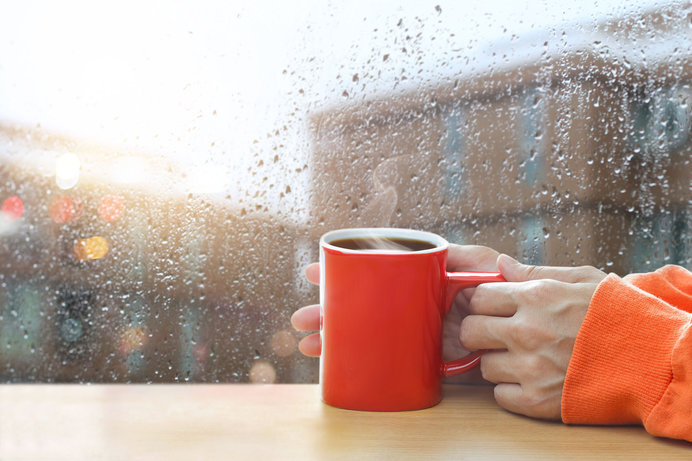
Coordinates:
[463,258]
[308,318]
[529,324]
[460,258]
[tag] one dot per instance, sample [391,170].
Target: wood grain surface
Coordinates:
[235,421]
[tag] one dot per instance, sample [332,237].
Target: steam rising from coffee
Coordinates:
[380,210]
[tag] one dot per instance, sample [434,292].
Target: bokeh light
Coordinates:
[71,330]
[284,343]
[262,372]
[12,208]
[111,207]
[133,338]
[91,248]
[65,209]
[67,168]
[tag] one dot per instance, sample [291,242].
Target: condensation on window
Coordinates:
[167,169]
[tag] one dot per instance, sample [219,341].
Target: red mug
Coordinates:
[381,318]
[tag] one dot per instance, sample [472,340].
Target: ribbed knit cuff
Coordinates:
[621,364]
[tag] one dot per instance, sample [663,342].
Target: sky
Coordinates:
[228,86]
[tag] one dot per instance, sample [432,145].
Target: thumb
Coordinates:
[514,271]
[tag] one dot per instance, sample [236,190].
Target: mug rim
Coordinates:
[439,242]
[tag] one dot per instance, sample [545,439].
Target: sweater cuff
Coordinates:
[621,363]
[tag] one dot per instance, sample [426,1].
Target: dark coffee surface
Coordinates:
[382,243]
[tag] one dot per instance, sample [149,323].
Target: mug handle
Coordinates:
[458,281]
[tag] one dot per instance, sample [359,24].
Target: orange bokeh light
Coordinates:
[262,372]
[12,208]
[133,338]
[91,248]
[284,343]
[111,207]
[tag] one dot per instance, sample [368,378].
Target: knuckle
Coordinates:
[515,332]
[543,289]
[590,273]
[581,274]
[538,292]
[533,366]
[532,342]
[523,334]
[525,339]
[527,292]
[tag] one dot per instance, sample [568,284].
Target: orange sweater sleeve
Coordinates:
[632,360]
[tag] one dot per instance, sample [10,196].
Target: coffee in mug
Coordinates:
[383,243]
[383,294]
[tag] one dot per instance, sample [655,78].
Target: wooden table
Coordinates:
[234,421]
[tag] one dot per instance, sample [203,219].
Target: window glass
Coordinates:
[167,168]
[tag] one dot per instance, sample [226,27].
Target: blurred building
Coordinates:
[106,280]
[581,157]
